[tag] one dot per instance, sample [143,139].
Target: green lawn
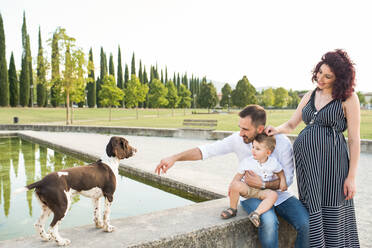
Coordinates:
[162,118]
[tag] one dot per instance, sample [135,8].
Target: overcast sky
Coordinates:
[274,43]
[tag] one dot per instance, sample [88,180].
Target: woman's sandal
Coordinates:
[254,217]
[228,213]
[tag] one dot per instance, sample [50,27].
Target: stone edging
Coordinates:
[365,145]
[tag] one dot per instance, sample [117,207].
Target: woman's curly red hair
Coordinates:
[344,70]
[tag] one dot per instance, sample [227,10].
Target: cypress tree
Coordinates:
[174,77]
[55,90]
[13,83]
[146,82]
[185,81]
[4,84]
[55,58]
[162,78]
[31,98]
[166,75]
[156,73]
[91,85]
[144,76]
[111,66]
[192,84]
[192,90]
[197,86]
[103,73]
[152,74]
[178,81]
[41,76]
[126,76]
[133,68]
[140,76]
[24,86]
[24,81]
[120,82]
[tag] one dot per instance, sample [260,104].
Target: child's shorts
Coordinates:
[254,193]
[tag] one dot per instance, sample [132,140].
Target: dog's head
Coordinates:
[119,147]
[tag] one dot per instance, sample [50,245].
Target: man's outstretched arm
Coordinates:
[189,155]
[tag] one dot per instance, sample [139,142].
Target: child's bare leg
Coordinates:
[268,198]
[236,190]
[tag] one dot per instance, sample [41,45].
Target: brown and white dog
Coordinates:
[95,180]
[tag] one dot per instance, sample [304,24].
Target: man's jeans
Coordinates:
[291,210]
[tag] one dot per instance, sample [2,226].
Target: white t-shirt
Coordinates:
[265,171]
[234,143]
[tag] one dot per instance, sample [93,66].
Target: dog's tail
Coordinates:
[27,188]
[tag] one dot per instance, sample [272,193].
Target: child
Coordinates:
[266,167]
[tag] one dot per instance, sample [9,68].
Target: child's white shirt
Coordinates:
[265,170]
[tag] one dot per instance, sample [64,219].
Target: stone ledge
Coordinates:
[196,225]
[365,144]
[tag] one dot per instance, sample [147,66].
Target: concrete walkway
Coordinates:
[197,225]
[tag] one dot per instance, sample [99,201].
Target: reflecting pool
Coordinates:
[23,162]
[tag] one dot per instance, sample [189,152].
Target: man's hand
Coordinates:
[283,185]
[252,179]
[164,165]
[189,155]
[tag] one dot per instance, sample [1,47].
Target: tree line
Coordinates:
[69,78]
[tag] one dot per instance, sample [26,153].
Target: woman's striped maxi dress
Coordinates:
[322,165]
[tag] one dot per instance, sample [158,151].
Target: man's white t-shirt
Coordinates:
[234,143]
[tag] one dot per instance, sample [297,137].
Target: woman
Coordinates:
[326,168]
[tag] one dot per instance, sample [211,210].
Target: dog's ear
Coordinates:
[123,149]
[110,148]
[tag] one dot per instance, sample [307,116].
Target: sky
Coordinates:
[274,43]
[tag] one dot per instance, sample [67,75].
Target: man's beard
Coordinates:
[248,140]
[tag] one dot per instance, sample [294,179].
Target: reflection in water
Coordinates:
[38,161]
[29,158]
[43,158]
[5,173]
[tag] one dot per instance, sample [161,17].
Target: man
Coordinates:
[252,122]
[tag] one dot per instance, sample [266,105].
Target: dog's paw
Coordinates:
[46,237]
[63,242]
[99,224]
[108,228]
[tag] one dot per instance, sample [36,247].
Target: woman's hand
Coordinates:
[349,188]
[270,130]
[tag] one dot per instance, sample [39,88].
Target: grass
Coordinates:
[161,118]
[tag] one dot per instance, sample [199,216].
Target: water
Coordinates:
[22,163]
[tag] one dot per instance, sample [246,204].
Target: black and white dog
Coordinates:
[95,180]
